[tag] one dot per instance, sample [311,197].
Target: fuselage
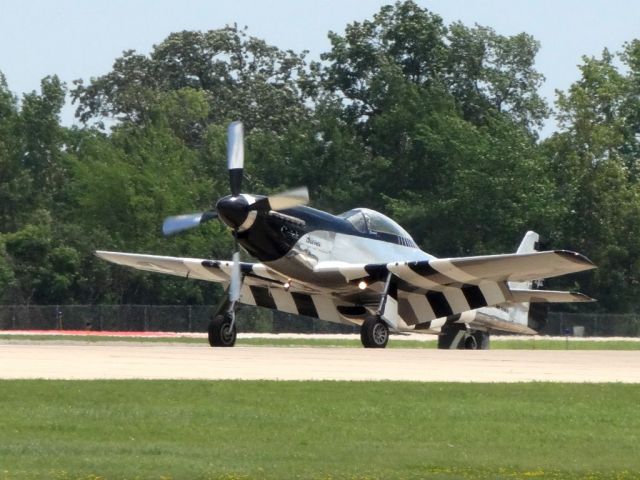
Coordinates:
[295,241]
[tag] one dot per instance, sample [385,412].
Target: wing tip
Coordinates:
[581,297]
[576,258]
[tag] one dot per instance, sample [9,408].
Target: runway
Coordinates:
[51,360]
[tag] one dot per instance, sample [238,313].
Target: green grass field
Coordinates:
[515,344]
[317,430]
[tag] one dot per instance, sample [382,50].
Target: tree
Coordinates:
[446,117]
[594,159]
[242,77]
[123,186]
[15,182]
[486,71]
[43,138]
[480,69]
[44,270]
[402,39]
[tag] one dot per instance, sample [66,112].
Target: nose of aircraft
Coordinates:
[233,210]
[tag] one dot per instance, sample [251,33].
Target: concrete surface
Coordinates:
[156,361]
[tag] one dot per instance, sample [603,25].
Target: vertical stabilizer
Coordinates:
[519,312]
[529,243]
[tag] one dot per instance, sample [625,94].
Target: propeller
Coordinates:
[178,223]
[235,156]
[282,201]
[237,210]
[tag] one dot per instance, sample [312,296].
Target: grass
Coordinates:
[515,344]
[316,430]
[537,344]
[96,339]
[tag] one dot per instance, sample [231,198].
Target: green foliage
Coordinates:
[44,271]
[446,117]
[487,71]
[241,77]
[595,164]
[7,277]
[15,181]
[481,70]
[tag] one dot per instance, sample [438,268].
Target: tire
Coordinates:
[374,333]
[470,343]
[482,339]
[477,341]
[220,334]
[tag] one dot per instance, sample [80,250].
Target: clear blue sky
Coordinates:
[81,38]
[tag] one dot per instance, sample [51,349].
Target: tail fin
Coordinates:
[519,312]
[529,243]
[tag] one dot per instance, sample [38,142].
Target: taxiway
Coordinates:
[51,360]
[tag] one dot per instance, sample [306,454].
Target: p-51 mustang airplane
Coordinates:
[358,268]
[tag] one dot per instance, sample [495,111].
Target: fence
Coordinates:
[250,319]
[157,318]
[594,324]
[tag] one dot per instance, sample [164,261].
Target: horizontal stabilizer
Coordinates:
[550,296]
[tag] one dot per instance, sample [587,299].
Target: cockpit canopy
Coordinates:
[370,221]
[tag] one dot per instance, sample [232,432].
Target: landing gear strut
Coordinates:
[222,328]
[374,333]
[222,331]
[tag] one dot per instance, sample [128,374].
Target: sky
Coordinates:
[81,38]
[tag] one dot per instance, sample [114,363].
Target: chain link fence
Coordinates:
[167,318]
[155,318]
[593,324]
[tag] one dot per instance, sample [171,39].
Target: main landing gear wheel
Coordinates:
[374,333]
[220,332]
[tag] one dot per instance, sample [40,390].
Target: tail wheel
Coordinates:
[220,332]
[477,341]
[374,333]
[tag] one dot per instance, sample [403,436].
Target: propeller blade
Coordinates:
[179,223]
[236,279]
[235,156]
[284,200]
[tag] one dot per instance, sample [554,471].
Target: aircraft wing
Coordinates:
[261,286]
[439,273]
[439,288]
[218,271]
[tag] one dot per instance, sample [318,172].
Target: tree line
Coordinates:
[434,125]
